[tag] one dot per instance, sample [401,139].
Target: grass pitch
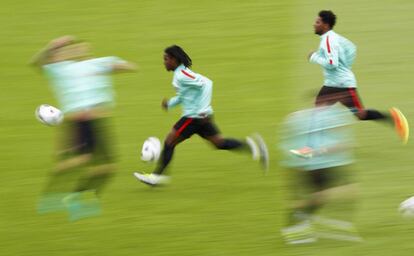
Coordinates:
[219,203]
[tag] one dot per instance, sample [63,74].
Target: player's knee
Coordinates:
[169,141]
[168,146]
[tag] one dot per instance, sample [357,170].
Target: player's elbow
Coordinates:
[332,65]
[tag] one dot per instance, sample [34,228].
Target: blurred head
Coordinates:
[74,51]
[324,22]
[174,56]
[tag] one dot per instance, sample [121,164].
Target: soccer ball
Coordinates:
[151,150]
[407,208]
[49,115]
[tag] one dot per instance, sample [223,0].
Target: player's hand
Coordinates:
[61,41]
[164,104]
[310,54]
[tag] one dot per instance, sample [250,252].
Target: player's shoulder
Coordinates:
[102,60]
[331,36]
[57,66]
[340,37]
[185,74]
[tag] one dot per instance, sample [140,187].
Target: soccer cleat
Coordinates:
[401,124]
[264,153]
[81,205]
[253,148]
[333,229]
[152,179]
[51,202]
[305,152]
[301,233]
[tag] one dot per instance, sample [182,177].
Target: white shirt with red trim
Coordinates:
[326,129]
[194,93]
[82,85]
[336,55]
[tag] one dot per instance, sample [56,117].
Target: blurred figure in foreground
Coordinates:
[84,91]
[321,174]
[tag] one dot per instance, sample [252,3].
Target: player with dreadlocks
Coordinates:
[194,93]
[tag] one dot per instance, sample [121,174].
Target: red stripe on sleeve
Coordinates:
[327,44]
[330,61]
[187,74]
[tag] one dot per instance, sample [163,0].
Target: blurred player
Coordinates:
[322,176]
[85,94]
[194,93]
[336,55]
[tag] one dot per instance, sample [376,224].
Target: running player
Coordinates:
[323,177]
[194,93]
[336,55]
[84,91]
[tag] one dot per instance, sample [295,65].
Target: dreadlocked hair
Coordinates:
[179,54]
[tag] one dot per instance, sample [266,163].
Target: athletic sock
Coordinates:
[165,159]
[372,114]
[229,144]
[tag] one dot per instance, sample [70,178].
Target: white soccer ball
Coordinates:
[49,115]
[151,150]
[406,208]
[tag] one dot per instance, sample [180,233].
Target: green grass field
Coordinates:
[219,203]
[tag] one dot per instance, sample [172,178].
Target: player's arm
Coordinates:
[43,56]
[171,103]
[113,65]
[124,66]
[328,54]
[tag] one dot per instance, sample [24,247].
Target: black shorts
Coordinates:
[347,96]
[322,179]
[86,137]
[302,183]
[187,126]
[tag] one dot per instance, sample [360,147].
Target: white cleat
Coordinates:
[152,179]
[253,148]
[301,233]
[264,153]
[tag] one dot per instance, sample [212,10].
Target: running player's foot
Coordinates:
[305,152]
[152,179]
[264,153]
[82,205]
[253,148]
[51,202]
[301,233]
[401,124]
[326,228]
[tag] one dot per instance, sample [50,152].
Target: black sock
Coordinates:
[372,114]
[165,159]
[232,144]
